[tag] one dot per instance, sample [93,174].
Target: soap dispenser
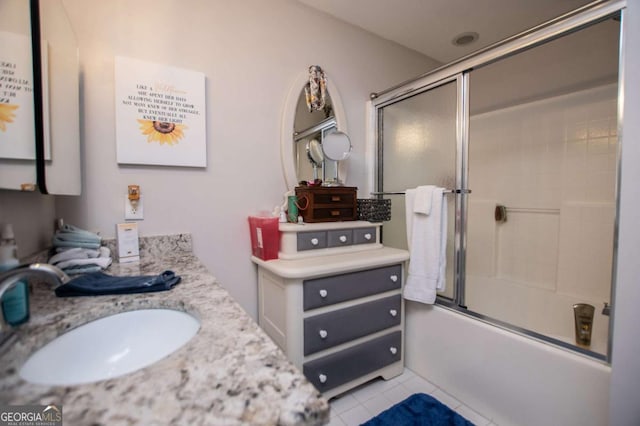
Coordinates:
[15,301]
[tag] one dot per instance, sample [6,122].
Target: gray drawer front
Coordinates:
[360,235]
[350,323]
[305,240]
[353,285]
[344,366]
[334,238]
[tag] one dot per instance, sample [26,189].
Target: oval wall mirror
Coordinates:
[303,159]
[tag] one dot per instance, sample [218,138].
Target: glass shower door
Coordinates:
[418,142]
[542,163]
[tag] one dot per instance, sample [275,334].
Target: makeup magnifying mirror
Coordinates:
[336,146]
[315,155]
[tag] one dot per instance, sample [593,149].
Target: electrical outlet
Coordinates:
[133,210]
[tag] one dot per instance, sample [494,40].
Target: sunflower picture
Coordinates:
[162,131]
[7,115]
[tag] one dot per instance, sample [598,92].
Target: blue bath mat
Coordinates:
[419,410]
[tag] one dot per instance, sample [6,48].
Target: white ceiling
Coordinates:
[429,26]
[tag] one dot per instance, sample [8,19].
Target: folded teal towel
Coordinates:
[57,242]
[77,270]
[97,283]
[72,236]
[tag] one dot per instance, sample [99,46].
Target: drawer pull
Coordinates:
[323,293]
[343,238]
[322,378]
[393,350]
[314,241]
[323,334]
[393,312]
[335,198]
[335,212]
[394,278]
[367,236]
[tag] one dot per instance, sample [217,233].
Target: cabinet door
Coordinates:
[364,235]
[312,240]
[339,237]
[341,367]
[331,329]
[339,288]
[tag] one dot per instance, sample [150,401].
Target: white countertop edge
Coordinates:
[327,226]
[329,251]
[332,264]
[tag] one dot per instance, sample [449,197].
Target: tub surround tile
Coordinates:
[229,373]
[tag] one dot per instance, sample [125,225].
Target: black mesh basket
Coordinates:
[374,210]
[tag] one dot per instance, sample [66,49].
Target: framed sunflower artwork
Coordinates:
[160,114]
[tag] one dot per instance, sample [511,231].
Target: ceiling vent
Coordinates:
[464,39]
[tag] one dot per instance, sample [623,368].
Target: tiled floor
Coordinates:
[361,404]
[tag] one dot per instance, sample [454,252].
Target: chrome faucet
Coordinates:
[8,279]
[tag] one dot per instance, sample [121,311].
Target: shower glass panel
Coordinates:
[419,148]
[542,165]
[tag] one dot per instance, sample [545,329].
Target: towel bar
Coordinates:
[446,191]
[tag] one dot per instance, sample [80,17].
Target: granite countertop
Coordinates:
[229,373]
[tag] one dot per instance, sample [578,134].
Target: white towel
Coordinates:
[423,199]
[427,241]
[74,253]
[81,257]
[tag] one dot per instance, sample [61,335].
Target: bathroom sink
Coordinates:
[110,347]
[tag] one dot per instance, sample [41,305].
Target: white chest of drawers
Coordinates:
[339,317]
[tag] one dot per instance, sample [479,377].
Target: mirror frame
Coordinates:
[38,97]
[287,127]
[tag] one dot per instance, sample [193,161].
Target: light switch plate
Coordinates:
[133,211]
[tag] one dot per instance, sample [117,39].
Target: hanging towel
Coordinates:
[427,241]
[423,199]
[98,283]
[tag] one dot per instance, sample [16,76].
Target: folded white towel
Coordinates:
[74,253]
[81,257]
[423,199]
[427,241]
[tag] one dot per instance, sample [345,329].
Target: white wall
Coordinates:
[32,216]
[251,51]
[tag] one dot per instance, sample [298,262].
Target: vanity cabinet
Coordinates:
[338,314]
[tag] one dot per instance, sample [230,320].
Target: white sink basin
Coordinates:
[110,347]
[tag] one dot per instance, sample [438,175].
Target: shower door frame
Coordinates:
[460,191]
[458,71]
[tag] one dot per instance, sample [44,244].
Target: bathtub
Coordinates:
[509,378]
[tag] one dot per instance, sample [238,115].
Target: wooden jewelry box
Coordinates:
[327,203]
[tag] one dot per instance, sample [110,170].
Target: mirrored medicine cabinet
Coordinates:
[39,98]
